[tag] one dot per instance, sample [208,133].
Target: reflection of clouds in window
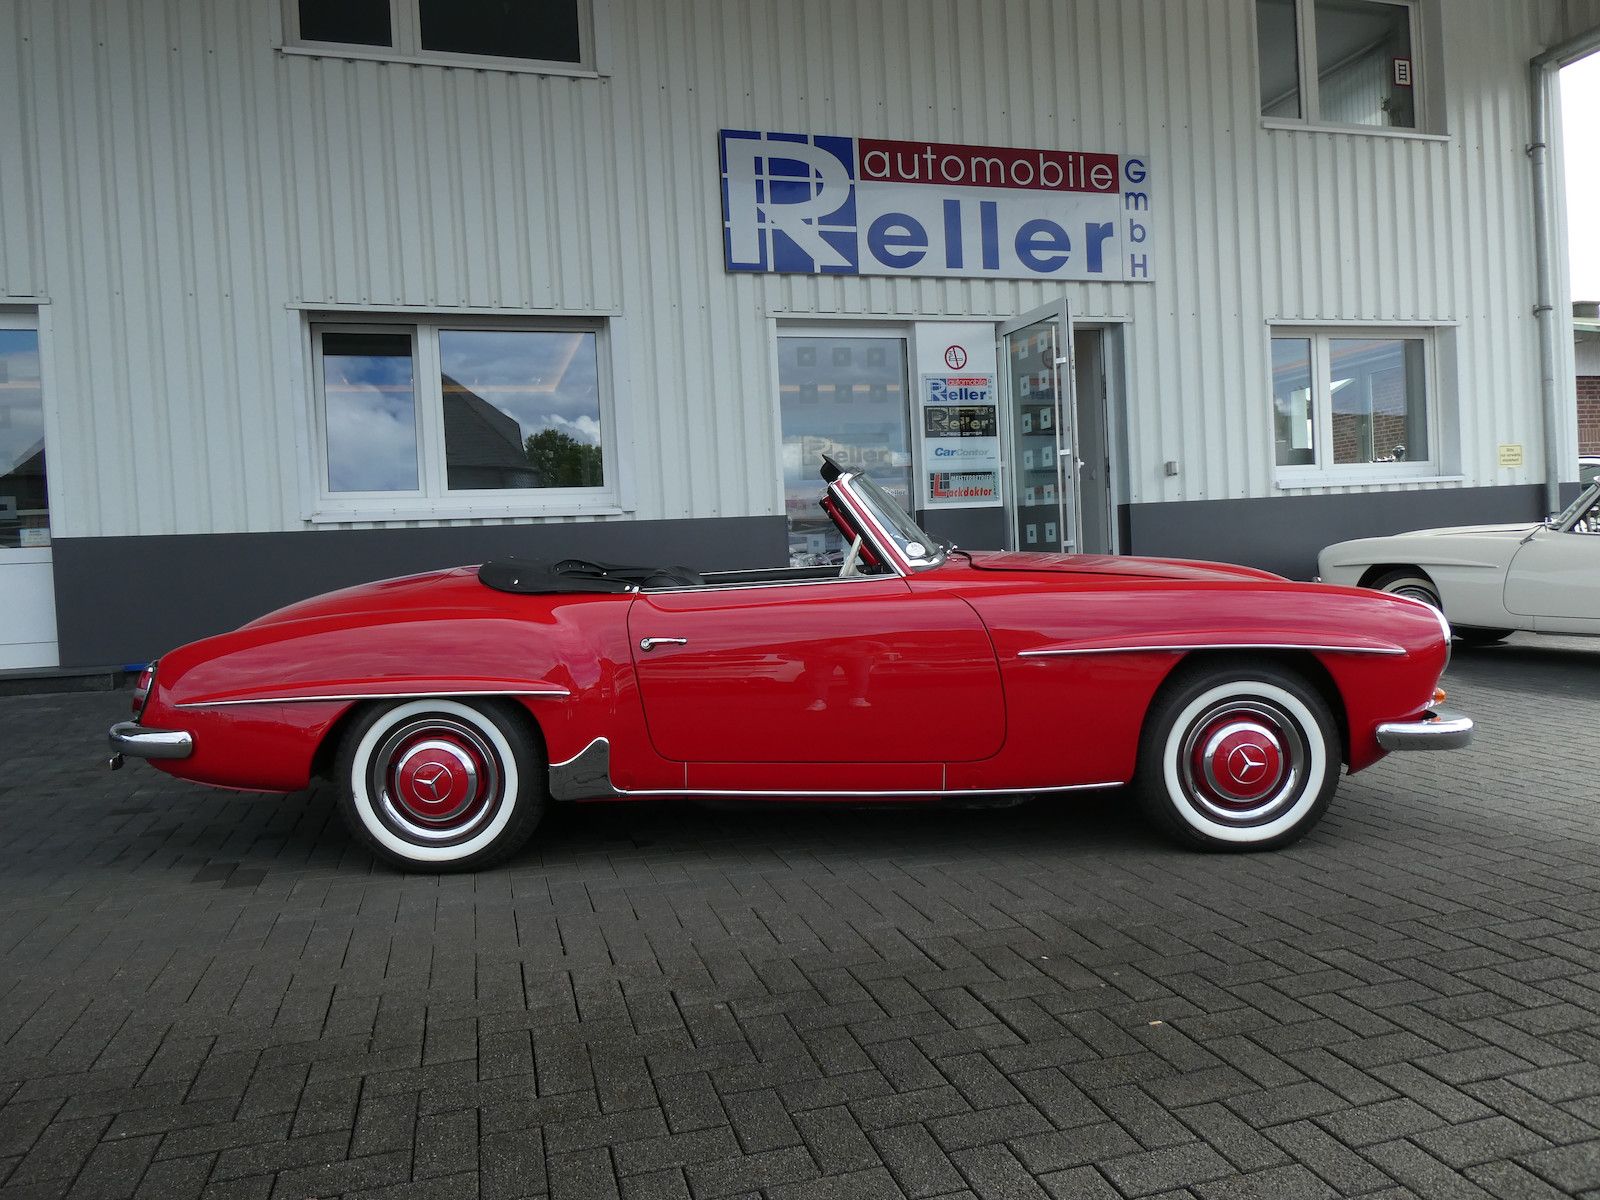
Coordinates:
[371,421]
[21,400]
[542,380]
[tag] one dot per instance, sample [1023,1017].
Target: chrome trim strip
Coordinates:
[549,691]
[130,737]
[955,792]
[1211,646]
[587,776]
[1441,730]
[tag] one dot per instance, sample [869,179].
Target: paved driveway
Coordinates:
[209,994]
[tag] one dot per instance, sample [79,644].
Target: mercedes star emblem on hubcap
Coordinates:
[432,781]
[1246,763]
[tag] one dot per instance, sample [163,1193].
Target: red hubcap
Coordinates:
[438,779]
[1240,759]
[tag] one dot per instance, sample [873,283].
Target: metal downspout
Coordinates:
[1542,68]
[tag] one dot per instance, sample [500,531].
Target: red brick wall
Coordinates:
[1388,428]
[1589,414]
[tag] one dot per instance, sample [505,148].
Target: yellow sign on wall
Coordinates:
[1510,454]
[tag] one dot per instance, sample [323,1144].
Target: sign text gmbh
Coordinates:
[818,205]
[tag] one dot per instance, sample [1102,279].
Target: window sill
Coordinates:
[1385,131]
[465,62]
[1314,483]
[367,512]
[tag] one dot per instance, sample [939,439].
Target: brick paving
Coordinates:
[206,994]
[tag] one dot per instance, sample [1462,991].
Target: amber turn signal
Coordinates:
[1438,695]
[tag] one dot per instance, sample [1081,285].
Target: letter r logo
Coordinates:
[788,202]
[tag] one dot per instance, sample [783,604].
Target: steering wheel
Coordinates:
[851,559]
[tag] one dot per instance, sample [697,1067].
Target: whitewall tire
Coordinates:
[1411,583]
[441,785]
[1238,759]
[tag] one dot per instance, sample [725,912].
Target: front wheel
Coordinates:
[439,785]
[1411,583]
[1238,759]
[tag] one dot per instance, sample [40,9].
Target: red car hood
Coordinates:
[1103,564]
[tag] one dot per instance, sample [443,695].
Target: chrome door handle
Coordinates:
[650,643]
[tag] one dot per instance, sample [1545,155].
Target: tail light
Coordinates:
[141,690]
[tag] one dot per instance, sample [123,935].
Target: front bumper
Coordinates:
[132,738]
[1440,729]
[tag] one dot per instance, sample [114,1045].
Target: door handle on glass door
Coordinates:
[650,643]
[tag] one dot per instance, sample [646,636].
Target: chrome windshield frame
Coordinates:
[864,506]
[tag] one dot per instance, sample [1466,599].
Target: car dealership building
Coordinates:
[295,294]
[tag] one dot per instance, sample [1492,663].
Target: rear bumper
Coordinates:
[1439,730]
[132,738]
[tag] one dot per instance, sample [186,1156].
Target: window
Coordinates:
[848,397]
[522,31]
[24,502]
[1349,402]
[1339,62]
[452,417]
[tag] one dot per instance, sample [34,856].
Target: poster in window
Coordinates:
[960,430]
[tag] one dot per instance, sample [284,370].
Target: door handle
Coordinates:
[650,643]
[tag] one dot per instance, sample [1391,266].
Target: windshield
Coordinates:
[915,546]
[1586,498]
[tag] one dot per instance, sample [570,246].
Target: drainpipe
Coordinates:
[1543,69]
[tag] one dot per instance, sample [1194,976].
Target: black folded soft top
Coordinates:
[532,576]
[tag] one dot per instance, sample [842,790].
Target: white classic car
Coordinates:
[1489,579]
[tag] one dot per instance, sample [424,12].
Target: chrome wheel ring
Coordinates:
[1242,761]
[436,780]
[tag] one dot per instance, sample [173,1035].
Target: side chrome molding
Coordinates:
[584,776]
[587,776]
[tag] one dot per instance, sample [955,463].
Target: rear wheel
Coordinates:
[439,785]
[1238,759]
[1409,582]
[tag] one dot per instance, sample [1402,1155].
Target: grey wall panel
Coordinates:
[126,600]
[187,189]
[1283,534]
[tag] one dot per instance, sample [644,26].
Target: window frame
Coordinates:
[433,499]
[829,326]
[1323,471]
[1309,84]
[405,30]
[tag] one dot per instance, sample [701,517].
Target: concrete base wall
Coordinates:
[1284,533]
[128,600]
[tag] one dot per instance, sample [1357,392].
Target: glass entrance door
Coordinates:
[1039,385]
[27,590]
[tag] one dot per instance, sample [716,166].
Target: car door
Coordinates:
[851,672]
[1555,576]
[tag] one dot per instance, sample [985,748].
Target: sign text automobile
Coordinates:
[819,205]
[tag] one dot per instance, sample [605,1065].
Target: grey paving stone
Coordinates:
[666,1001]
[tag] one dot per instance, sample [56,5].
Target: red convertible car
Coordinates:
[451,708]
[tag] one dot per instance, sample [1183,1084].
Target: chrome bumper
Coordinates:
[130,737]
[1439,730]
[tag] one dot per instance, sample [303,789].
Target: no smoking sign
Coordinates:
[955,357]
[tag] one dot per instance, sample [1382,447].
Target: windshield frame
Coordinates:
[1582,504]
[889,525]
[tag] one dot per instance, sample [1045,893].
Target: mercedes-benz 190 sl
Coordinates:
[1489,579]
[451,709]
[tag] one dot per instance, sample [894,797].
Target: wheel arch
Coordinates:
[1301,663]
[1378,570]
[325,757]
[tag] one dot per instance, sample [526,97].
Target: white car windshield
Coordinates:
[1583,503]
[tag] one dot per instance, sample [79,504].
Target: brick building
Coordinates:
[1586,337]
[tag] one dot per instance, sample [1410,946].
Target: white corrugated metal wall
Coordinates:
[180,191]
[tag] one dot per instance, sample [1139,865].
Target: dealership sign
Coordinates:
[812,204]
